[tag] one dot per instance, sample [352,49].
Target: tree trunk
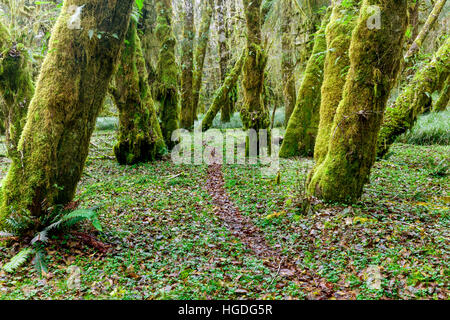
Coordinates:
[223,93]
[149,41]
[254,113]
[165,88]
[302,126]
[415,99]
[337,62]
[187,64]
[441,103]
[432,18]
[287,64]
[375,55]
[139,137]
[70,91]
[16,88]
[200,51]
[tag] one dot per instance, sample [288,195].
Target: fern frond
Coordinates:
[18,259]
[39,262]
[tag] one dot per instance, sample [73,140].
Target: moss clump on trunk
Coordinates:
[414,99]
[375,55]
[442,102]
[302,126]
[254,113]
[223,93]
[139,137]
[70,92]
[165,87]
[16,88]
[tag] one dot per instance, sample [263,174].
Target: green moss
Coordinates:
[69,94]
[375,56]
[415,99]
[441,103]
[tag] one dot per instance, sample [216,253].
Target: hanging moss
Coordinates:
[254,113]
[442,102]
[187,67]
[375,56]
[16,88]
[139,136]
[69,94]
[338,34]
[200,52]
[414,99]
[223,93]
[302,126]
[165,88]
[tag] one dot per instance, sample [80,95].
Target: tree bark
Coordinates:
[139,137]
[441,103]
[16,88]
[187,66]
[375,55]
[415,99]
[149,41]
[69,94]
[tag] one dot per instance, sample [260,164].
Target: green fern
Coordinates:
[18,260]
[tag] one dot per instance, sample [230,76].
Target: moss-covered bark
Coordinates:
[165,87]
[375,55]
[187,66]
[442,102]
[414,99]
[338,35]
[223,93]
[16,88]
[254,113]
[69,94]
[149,41]
[302,126]
[200,51]
[287,63]
[139,137]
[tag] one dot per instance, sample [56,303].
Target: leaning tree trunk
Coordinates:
[16,88]
[337,62]
[302,126]
[375,55]
[187,67]
[69,94]
[442,102]
[200,51]
[139,137]
[287,64]
[223,93]
[165,87]
[224,54]
[414,99]
[432,18]
[254,113]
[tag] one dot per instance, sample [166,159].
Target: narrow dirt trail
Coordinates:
[243,228]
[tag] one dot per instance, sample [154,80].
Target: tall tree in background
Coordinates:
[254,113]
[16,88]
[69,94]
[139,136]
[375,55]
[165,87]
[200,50]
[187,66]
[287,63]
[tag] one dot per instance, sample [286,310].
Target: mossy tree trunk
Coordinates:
[149,41]
[16,88]
[223,93]
[69,94]
[200,51]
[338,35]
[414,99]
[165,87]
[442,102]
[287,63]
[375,55]
[187,66]
[254,113]
[139,136]
[302,126]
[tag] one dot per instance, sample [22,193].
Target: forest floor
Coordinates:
[226,232]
